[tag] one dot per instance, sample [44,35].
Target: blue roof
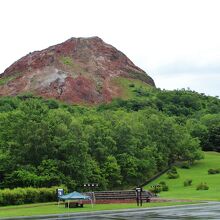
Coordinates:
[74,196]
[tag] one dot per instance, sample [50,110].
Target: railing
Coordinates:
[120,195]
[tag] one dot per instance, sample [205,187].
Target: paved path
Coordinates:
[206,211]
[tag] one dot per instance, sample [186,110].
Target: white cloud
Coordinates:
[180,67]
[153,33]
[208,83]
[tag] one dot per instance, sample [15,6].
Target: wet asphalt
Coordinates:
[206,211]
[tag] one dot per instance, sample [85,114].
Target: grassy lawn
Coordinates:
[52,208]
[198,173]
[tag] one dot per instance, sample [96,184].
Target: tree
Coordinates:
[112,172]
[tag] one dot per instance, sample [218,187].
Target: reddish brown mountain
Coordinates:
[80,70]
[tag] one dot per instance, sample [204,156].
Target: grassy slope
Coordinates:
[198,173]
[127,90]
[44,209]
[6,79]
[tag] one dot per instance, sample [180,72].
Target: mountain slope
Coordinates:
[79,70]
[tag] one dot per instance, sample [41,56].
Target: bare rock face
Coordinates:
[80,70]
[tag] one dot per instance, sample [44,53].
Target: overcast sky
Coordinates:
[177,42]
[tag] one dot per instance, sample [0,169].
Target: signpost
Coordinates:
[59,192]
[139,196]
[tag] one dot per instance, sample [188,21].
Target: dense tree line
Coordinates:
[198,112]
[45,143]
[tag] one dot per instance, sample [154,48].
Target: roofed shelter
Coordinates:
[74,196]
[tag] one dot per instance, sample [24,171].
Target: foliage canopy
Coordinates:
[45,143]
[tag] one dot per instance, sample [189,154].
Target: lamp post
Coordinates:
[91,187]
[139,196]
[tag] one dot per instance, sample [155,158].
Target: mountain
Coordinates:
[79,70]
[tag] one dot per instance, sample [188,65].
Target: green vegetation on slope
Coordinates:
[130,87]
[5,80]
[66,60]
[199,113]
[197,173]
[44,143]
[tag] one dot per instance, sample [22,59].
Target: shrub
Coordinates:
[162,183]
[19,196]
[47,194]
[173,170]
[187,182]
[172,173]
[202,186]
[66,60]
[32,195]
[213,171]
[164,186]
[156,189]
[131,85]
[185,165]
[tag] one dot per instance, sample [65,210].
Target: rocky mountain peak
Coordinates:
[79,70]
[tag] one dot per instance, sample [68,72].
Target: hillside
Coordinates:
[79,70]
[198,173]
[45,143]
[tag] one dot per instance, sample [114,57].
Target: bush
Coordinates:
[213,171]
[162,183]
[202,186]
[173,170]
[131,85]
[156,189]
[187,182]
[172,173]
[32,195]
[164,186]
[185,165]
[66,60]
[19,196]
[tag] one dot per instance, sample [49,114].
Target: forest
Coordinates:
[46,143]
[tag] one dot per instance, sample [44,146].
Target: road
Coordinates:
[206,211]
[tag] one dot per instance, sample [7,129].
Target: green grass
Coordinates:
[66,60]
[5,80]
[198,173]
[52,208]
[73,67]
[128,86]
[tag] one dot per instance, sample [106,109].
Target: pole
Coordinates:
[91,202]
[141,196]
[93,195]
